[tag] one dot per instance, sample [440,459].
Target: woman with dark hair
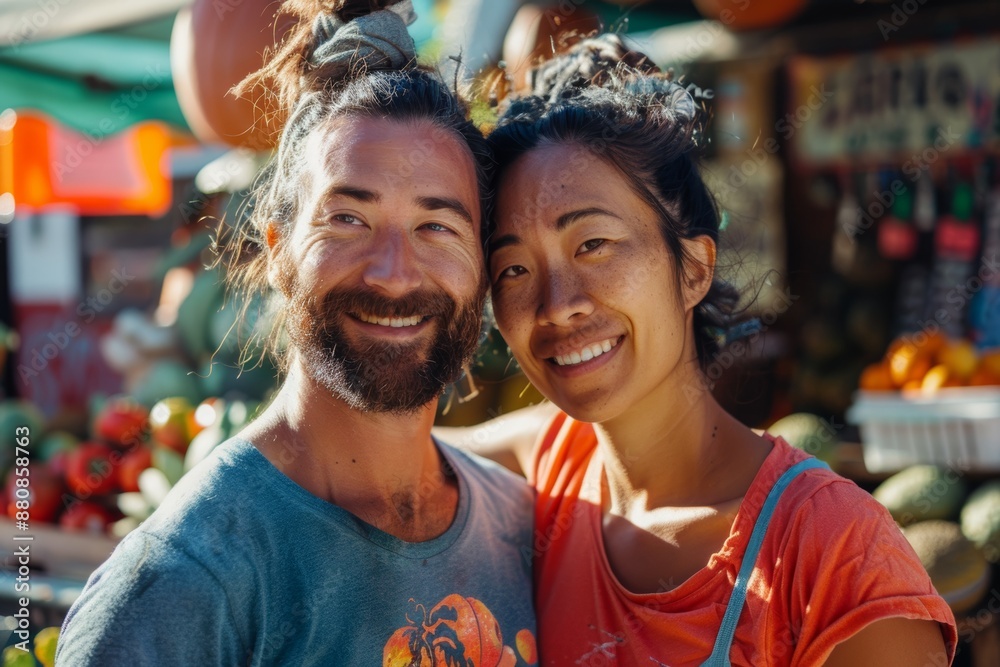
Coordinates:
[667,533]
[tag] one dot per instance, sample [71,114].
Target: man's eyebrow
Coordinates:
[567,219]
[447,204]
[359,194]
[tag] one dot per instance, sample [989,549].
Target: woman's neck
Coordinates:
[677,448]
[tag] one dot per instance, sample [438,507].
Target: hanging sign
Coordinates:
[910,104]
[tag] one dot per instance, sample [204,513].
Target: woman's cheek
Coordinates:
[510,309]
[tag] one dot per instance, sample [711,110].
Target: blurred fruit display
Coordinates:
[958,570]
[927,362]
[954,532]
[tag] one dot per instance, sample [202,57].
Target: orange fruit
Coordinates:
[895,345]
[935,379]
[930,344]
[919,368]
[984,377]
[991,362]
[901,361]
[960,357]
[877,377]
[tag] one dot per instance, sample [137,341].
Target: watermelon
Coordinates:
[958,571]
[808,432]
[981,520]
[920,493]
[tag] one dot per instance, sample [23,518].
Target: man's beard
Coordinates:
[377,375]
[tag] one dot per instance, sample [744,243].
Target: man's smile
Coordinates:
[394,322]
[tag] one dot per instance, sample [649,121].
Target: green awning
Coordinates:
[103,82]
[97,83]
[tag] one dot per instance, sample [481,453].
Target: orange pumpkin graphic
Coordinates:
[458,631]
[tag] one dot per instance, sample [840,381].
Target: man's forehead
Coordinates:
[388,152]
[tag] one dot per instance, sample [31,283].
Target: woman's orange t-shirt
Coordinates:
[833,561]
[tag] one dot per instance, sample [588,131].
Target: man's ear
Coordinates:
[272,236]
[699,269]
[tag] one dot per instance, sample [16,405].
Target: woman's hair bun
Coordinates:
[670,96]
[592,61]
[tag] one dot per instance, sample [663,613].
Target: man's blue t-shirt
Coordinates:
[242,566]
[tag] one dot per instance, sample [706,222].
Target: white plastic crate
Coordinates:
[956,427]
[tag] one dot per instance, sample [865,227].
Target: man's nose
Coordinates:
[392,266]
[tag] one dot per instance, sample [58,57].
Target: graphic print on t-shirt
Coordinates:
[457,631]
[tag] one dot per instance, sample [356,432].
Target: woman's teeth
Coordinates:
[587,353]
[391,321]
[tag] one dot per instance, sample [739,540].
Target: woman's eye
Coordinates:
[592,244]
[512,271]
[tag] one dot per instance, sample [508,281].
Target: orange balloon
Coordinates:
[212,48]
[744,15]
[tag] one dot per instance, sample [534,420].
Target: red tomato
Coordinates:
[133,463]
[171,422]
[43,494]
[86,516]
[89,471]
[57,464]
[122,422]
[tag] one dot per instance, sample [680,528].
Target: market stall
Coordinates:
[855,157]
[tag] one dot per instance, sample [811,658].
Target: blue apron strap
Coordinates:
[724,640]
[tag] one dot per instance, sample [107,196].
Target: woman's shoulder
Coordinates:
[822,488]
[823,513]
[826,523]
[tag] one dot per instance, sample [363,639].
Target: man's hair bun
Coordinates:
[331,43]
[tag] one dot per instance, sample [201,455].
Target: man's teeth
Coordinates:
[391,321]
[587,353]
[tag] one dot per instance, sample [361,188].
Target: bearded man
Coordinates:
[334,529]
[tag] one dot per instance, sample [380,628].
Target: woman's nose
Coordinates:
[562,298]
